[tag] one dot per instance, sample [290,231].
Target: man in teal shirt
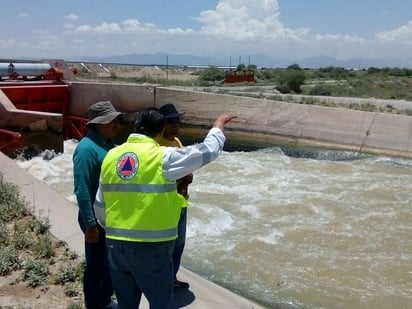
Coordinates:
[87,160]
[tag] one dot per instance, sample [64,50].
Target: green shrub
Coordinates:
[4,238]
[65,274]
[275,97]
[75,305]
[292,80]
[44,248]
[283,88]
[35,272]
[9,261]
[22,240]
[22,237]
[368,107]
[322,90]
[41,225]
[26,232]
[12,204]
[71,289]
[211,74]
[80,268]
[308,100]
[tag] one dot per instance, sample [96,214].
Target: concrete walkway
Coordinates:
[46,202]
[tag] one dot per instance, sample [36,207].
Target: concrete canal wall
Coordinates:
[261,122]
[126,97]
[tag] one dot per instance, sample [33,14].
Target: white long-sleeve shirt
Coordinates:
[179,162]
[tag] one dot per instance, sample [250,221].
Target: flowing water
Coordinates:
[328,230]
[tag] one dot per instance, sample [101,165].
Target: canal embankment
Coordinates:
[260,122]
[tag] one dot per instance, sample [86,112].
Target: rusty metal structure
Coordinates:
[239,77]
[34,97]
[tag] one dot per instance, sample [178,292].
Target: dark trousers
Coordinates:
[180,241]
[142,267]
[97,284]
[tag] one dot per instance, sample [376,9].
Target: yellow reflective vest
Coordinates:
[140,203]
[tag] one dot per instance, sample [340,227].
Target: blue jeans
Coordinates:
[180,241]
[97,285]
[142,267]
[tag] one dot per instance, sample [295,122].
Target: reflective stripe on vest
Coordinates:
[141,233]
[145,188]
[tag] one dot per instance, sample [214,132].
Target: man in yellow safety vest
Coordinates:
[137,203]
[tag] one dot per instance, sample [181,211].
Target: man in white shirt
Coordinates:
[137,204]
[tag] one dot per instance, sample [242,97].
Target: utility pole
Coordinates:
[167,67]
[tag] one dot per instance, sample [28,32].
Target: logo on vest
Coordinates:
[127,165]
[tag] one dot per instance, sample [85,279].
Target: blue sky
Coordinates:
[298,29]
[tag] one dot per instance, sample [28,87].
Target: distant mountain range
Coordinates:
[259,60]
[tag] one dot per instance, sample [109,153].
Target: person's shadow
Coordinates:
[183,298]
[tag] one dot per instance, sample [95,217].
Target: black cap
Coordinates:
[168,110]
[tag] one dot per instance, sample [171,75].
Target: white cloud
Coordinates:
[135,27]
[244,20]
[238,25]
[179,31]
[104,28]
[339,38]
[402,34]
[71,18]
[233,27]
[23,15]
[128,27]
[132,25]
